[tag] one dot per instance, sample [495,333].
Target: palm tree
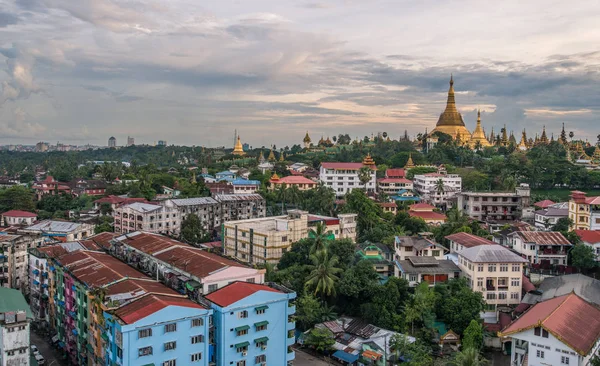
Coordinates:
[439,187]
[364,176]
[319,236]
[294,195]
[324,273]
[469,357]
[282,196]
[328,312]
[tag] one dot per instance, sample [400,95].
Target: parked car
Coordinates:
[34,349]
[40,359]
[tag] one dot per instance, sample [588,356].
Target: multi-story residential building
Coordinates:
[207,209]
[147,217]
[15,317]
[241,206]
[437,188]
[494,271]
[379,255]
[50,186]
[584,211]
[547,217]
[391,186]
[254,324]
[496,206]
[427,213]
[90,187]
[388,207]
[245,186]
[561,331]
[157,329]
[182,267]
[343,177]
[265,240]
[426,269]
[16,217]
[63,231]
[116,201]
[460,241]
[590,238]
[14,266]
[541,247]
[302,183]
[417,246]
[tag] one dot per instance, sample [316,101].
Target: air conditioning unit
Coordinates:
[244,353]
[263,347]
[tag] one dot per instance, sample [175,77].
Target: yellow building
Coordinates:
[584,211]
[451,121]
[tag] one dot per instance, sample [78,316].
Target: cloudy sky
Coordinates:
[193,71]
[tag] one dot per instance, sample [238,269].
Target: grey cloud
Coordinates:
[7,19]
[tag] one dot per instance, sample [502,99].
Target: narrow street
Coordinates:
[51,355]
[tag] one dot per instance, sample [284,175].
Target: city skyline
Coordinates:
[80,72]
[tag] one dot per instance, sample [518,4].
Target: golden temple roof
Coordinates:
[478,135]
[451,121]
[275,177]
[368,160]
[544,138]
[238,149]
[307,138]
[281,157]
[271,156]
[409,163]
[523,145]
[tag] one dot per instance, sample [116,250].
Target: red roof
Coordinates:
[469,240]
[544,203]
[346,166]
[521,308]
[196,261]
[527,285]
[97,269]
[593,200]
[394,180]
[102,239]
[150,304]
[138,287]
[89,245]
[388,204]
[53,251]
[421,206]
[18,213]
[293,180]
[428,215]
[236,291]
[543,237]
[569,318]
[395,173]
[589,236]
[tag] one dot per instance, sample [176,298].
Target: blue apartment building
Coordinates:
[254,324]
[159,330]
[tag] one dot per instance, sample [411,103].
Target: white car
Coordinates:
[40,359]
[34,349]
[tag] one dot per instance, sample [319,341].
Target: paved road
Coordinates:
[50,354]
[304,359]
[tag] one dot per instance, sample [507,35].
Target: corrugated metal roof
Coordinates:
[54,226]
[196,201]
[13,300]
[586,287]
[543,237]
[142,207]
[491,254]
[589,236]
[97,269]
[469,240]
[236,291]
[149,304]
[238,197]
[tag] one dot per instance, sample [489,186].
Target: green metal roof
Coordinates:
[261,340]
[13,300]
[263,307]
[243,327]
[264,322]
[243,344]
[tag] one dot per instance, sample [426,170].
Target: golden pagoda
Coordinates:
[512,140]
[451,121]
[281,157]
[478,137]
[306,140]
[596,155]
[275,176]
[544,138]
[271,156]
[409,163]
[523,144]
[492,138]
[563,136]
[368,160]
[194,178]
[238,149]
[504,139]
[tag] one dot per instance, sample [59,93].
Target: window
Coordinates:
[412,278]
[195,357]
[241,349]
[564,360]
[408,249]
[284,238]
[502,295]
[170,327]
[540,354]
[491,296]
[491,268]
[170,345]
[241,363]
[537,331]
[242,314]
[515,281]
[212,288]
[514,295]
[261,310]
[480,267]
[250,280]
[143,333]
[260,358]
[504,268]
[197,322]
[241,332]
[170,363]
[261,326]
[145,351]
[197,339]
[479,282]
[516,268]
[435,253]
[544,333]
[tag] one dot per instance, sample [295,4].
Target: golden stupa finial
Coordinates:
[271,156]
[409,163]
[238,149]
[281,157]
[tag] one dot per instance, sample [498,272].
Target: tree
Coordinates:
[192,230]
[309,311]
[319,237]
[324,274]
[469,357]
[458,304]
[105,225]
[563,225]
[364,176]
[421,306]
[583,257]
[473,336]
[439,187]
[105,208]
[16,198]
[320,339]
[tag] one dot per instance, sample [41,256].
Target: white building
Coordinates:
[245,186]
[343,177]
[147,217]
[15,317]
[547,217]
[60,230]
[429,187]
[591,238]
[496,206]
[16,217]
[206,208]
[414,246]
[391,186]
[14,267]
[561,331]
[541,247]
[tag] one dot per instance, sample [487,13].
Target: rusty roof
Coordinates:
[236,291]
[138,286]
[149,243]
[149,304]
[103,239]
[195,261]
[543,237]
[569,318]
[469,240]
[96,269]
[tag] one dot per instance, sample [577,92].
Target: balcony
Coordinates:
[521,347]
[291,309]
[551,252]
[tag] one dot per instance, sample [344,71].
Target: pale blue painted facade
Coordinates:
[128,354]
[274,308]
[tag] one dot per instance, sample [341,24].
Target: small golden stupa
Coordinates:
[238,149]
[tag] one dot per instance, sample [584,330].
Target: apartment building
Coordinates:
[265,240]
[494,271]
[584,211]
[561,331]
[427,213]
[63,231]
[437,188]
[245,186]
[460,241]
[497,206]
[14,266]
[254,324]
[17,217]
[391,186]
[426,269]
[541,247]
[547,217]
[15,318]
[417,246]
[184,268]
[206,208]
[343,177]
[148,217]
[240,206]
